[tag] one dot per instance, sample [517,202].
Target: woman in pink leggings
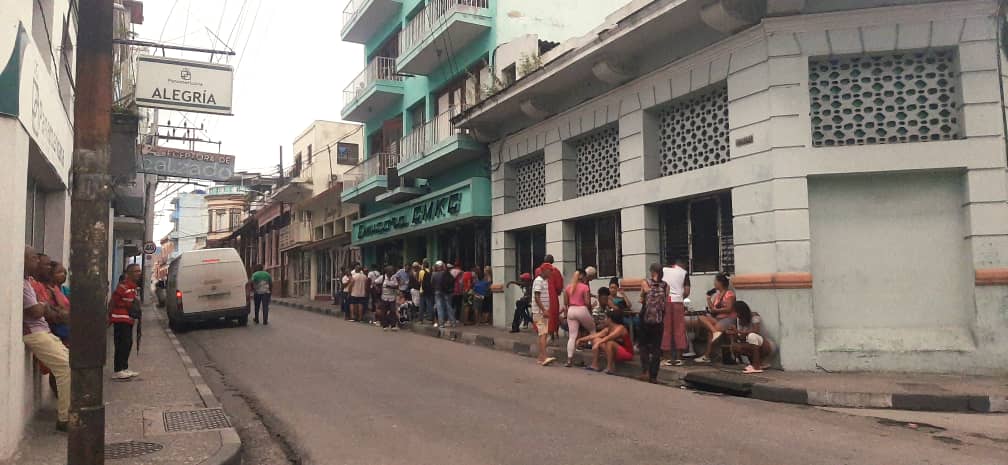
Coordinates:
[577,295]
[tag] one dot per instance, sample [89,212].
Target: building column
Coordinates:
[561,172]
[502,189]
[560,242]
[638,147]
[640,240]
[504,270]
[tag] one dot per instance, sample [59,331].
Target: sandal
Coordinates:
[548,361]
[569,363]
[749,369]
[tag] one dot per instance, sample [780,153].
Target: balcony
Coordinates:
[363,18]
[373,90]
[457,22]
[436,147]
[369,178]
[293,235]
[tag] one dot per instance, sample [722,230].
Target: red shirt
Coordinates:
[122,300]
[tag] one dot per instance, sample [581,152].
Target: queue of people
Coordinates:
[444,294]
[46,323]
[605,323]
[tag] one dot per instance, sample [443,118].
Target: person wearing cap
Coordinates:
[521,314]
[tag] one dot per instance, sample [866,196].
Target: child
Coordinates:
[403,306]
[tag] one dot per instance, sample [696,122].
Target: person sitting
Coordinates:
[603,304]
[721,305]
[613,340]
[749,339]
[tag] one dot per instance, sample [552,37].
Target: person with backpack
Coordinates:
[654,297]
[426,293]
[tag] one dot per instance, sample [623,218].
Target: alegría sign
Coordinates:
[182,163]
[184,85]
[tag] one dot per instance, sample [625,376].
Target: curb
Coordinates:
[731,383]
[231,444]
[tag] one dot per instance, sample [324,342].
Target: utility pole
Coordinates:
[281,176]
[89,226]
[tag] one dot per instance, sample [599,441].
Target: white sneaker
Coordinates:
[132,374]
[395,328]
[435,325]
[716,336]
[702,359]
[121,375]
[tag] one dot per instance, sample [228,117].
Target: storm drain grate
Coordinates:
[195,420]
[125,450]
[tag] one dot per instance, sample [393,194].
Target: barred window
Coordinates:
[598,244]
[699,231]
[598,161]
[693,131]
[530,180]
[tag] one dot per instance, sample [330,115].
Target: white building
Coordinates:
[846,166]
[37,63]
[316,243]
[189,222]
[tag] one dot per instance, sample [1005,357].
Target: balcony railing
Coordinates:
[377,165]
[351,10]
[380,68]
[424,138]
[428,18]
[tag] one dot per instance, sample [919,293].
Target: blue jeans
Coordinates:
[262,300]
[444,309]
[427,308]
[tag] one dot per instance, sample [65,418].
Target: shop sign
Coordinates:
[432,210]
[182,163]
[184,85]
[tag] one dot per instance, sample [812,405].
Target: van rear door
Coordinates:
[213,284]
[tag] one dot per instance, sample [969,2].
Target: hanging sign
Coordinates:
[184,85]
[182,163]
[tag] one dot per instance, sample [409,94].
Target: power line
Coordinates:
[170,11]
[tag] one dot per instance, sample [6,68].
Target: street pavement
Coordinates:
[343,393]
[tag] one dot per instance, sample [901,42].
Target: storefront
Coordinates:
[451,224]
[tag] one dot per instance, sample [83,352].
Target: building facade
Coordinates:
[846,166]
[227,206]
[423,185]
[190,220]
[316,244]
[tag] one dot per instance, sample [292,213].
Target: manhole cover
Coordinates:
[195,420]
[125,450]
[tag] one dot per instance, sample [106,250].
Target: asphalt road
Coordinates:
[346,393]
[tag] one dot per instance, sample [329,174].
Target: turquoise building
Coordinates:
[423,186]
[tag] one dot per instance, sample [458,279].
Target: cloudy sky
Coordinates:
[290,69]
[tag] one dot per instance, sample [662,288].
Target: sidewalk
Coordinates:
[167,415]
[904,391]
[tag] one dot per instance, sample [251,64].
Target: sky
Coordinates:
[290,69]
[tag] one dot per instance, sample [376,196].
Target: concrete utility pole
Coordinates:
[89,226]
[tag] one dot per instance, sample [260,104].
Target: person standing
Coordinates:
[444,284]
[262,287]
[123,300]
[540,313]
[674,333]
[556,286]
[390,290]
[41,342]
[654,300]
[426,293]
[358,293]
[578,310]
[374,290]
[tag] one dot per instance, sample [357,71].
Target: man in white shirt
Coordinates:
[677,279]
[540,310]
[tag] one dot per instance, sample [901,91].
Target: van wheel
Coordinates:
[243,321]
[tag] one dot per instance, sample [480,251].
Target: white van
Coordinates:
[205,285]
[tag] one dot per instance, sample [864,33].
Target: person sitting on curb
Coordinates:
[613,340]
[749,339]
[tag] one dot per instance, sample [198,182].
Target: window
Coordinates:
[219,220]
[530,248]
[42,24]
[347,154]
[598,244]
[66,79]
[235,219]
[887,98]
[530,182]
[699,230]
[308,160]
[35,206]
[200,242]
[210,221]
[598,161]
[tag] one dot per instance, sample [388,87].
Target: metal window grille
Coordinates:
[885,99]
